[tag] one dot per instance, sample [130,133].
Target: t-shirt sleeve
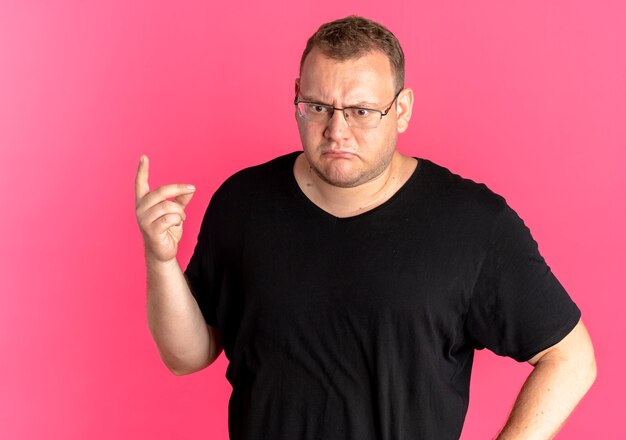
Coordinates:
[200,272]
[518,307]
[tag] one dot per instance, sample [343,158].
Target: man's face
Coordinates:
[339,154]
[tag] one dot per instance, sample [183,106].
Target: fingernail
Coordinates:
[191,187]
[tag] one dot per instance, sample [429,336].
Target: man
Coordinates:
[348,284]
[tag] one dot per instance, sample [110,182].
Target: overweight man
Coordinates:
[348,284]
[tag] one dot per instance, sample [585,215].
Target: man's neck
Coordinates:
[348,202]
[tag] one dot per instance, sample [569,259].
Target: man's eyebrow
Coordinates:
[365,104]
[359,104]
[309,99]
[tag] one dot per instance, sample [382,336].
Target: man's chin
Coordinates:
[341,179]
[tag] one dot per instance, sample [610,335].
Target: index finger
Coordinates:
[141,179]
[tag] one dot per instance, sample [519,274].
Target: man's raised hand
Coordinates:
[160,219]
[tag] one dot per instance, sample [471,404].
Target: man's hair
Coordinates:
[353,37]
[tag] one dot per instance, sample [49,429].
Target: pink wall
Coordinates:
[528,97]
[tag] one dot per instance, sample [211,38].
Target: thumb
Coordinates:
[184,199]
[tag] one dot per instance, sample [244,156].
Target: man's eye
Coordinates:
[316,108]
[361,112]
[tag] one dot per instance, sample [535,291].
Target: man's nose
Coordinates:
[337,127]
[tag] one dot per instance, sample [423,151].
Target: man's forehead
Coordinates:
[364,80]
[317,56]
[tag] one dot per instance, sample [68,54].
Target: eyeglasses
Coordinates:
[356,117]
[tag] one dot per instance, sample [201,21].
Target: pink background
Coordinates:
[528,97]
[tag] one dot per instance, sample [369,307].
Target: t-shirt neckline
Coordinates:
[293,183]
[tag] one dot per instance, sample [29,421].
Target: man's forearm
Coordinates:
[561,378]
[175,320]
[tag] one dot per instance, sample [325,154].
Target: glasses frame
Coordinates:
[332,109]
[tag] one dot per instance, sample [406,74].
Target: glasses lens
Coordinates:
[314,112]
[362,117]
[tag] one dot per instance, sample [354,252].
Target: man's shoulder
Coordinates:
[457,192]
[254,184]
[254,178]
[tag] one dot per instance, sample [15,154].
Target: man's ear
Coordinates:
[404,108]
[297,86]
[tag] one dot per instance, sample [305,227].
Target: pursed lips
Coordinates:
[338,154]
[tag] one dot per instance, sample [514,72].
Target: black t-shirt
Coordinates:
[365,327]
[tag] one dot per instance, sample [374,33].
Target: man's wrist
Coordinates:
[160,266]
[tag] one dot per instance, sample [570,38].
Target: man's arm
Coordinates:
[185,342]
[562,375]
